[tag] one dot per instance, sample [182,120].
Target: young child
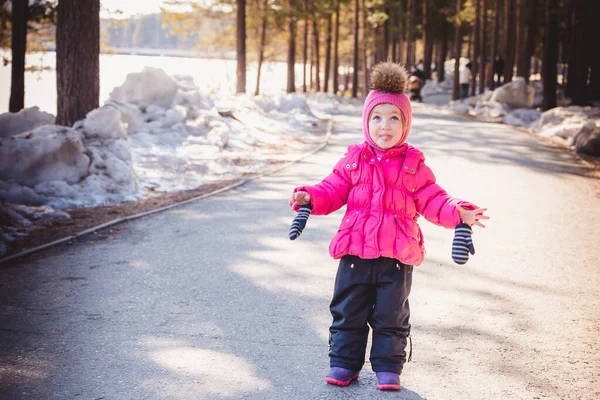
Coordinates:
[386,186]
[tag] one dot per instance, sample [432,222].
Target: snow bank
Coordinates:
[511,104]
[62,167]
[588,139]
[434,87]
[565,122]
[515,94]
[24,120]
[578,126]
[157,133]
[16,221]
[500,104]
[522,117]
[46,153]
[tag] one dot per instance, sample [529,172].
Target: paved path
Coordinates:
[212,301]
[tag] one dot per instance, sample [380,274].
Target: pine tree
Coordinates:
[457,52]
[291,56]
[355,58]
[550,55]
[241,46]
[19,47]
[77,59]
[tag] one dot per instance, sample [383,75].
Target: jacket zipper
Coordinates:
[379,168]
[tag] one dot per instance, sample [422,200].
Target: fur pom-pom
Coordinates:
[389,77]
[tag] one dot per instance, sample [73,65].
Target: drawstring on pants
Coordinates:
[410,351]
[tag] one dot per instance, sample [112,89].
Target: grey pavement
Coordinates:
[212,301]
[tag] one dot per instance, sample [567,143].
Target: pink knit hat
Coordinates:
[388,81]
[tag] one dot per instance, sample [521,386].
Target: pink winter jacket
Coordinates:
[385,198]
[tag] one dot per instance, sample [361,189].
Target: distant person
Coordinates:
[420,65]
[464,79]
[385,185]
[416,81]
[416,71]
[499,70]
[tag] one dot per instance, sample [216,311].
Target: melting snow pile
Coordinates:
[512,104]
[433,87]
[157,133]
[578,126]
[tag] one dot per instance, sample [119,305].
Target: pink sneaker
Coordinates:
[388,381]
[341,376]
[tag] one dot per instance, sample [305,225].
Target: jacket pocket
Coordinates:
[341,240]
[409,241]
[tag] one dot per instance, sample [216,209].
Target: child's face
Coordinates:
[386,125]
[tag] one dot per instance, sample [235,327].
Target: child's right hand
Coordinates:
[299,198]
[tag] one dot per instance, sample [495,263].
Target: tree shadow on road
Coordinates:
[489,143]
[210,300]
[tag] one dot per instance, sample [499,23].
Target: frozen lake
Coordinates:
[210,75]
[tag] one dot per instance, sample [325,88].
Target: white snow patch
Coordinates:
[522,117]
[47,153]
[23,121]
[151,86]
[156,134]
[105,123]
[515,94]
[432,87]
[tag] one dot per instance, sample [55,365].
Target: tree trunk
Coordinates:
[346,79]
[427,42]
[410,40]
[394,44]
[492,83]
[261,51]
[443,49]
[386,35]
[428,56]
[241,46]
[470,44]
[3,19]
[328,53]
[531,33]
[592,9]
[363,48]
[550,55]
[571,75]
[77,59]
[457,48]
[510,35]
[476,61]
[519,32]
[311,69]
[401,30]
[317,56]
[355,58]
[291,56]
[526,30]
[484,67]
[579,62]
[19,48]
[335,48]
[305,47]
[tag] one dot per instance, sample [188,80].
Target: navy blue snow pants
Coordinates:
[370,292]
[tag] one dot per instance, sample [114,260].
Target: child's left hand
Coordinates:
[472,217]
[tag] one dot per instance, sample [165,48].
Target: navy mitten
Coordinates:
[462,244]
[299,221]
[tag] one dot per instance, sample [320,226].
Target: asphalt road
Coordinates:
[212,301]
